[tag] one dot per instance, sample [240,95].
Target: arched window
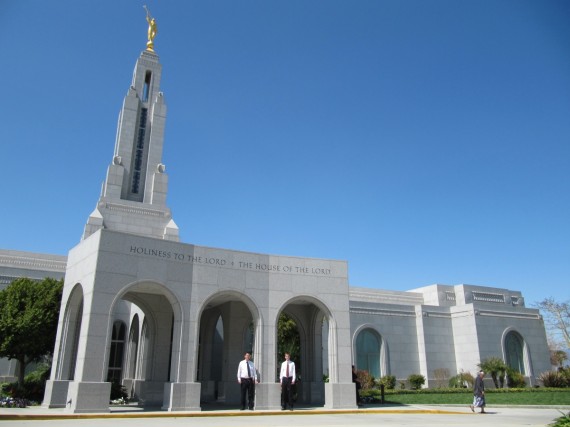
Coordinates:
[73,359]
[217,358]
[132,350]
[249,338]
[143,353]
[115,371]
[368,345]
[514,351]
[69,340]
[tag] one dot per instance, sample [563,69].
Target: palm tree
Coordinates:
[495,367]
[557,357]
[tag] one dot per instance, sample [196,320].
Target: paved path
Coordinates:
[412,415]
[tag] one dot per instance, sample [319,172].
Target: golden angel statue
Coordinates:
[152,30]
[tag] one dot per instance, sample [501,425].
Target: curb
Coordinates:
[43,417]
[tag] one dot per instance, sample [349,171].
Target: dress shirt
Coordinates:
[283,373]
[242,370]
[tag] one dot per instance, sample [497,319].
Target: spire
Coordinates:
[133,198]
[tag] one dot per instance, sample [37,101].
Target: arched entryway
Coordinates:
[229,324]
[142,358]
[309,316]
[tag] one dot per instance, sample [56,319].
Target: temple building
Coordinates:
[171,320]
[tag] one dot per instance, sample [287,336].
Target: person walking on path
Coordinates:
[247,377]
[287,380]
[479,393]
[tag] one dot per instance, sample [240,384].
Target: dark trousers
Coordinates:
[247,386]
[287,392]
[357,387]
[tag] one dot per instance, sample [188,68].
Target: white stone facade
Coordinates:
[171,321]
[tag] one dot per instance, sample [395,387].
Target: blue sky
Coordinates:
[422,141]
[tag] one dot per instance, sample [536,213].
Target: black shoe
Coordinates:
[242,409]
[283,408]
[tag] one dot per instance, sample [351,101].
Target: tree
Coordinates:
[495,367]
[557,316]
[29,312]
[557,357]
[288,339]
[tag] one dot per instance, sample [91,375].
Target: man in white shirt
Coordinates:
[247,377]
[287,379]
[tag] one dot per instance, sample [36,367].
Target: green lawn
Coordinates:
[500,397]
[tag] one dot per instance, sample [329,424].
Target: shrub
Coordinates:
[563,421]
[41,373]
[416,381]
[441,376]
[462,380]
[119,393]
[11,402]
[366,380]
[565,372]
[552,379]
[33,388]
[515,379]
[388,381]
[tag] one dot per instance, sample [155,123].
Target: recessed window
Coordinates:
[368,345]
[114,374]
[146,87]
[139,152]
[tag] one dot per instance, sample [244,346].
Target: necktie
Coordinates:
[287,374]
[248,370]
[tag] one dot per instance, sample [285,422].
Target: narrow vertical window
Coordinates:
[146,88]
[139,151]
[115,370]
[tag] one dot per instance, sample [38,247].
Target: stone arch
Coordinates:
[310,313]
[158,340]
[69,335]
[219,351]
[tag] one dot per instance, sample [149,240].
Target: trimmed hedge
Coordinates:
[376,392]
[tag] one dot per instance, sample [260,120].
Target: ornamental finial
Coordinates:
[152,30]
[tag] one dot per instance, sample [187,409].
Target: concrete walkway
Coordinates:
[385,415]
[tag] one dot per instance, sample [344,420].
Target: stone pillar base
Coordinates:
[88,397]
[316,392]
[268,396]
[55,395]
[208,391]
[151,393]
[340,396]
[182,397]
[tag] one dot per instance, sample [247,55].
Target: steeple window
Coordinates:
[139,152]
[146,87]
